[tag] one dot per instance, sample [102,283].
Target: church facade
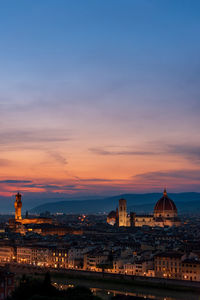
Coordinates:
[165,214]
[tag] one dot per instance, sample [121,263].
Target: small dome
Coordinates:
[112,214]
[165,204]
[112,218]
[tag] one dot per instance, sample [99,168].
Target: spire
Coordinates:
[165,192]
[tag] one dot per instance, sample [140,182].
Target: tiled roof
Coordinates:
[165,204]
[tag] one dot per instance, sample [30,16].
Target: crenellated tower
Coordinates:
[18,206]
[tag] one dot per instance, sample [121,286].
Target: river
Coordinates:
[107,290]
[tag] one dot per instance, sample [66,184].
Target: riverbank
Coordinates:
[106,289]
[128,280]
[158,283]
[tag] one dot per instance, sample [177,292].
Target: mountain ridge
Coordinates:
[135,202]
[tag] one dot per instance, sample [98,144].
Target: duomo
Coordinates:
[165,214]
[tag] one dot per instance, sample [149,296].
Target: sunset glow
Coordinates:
[100,99]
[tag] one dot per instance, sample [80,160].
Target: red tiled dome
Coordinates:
[165,204]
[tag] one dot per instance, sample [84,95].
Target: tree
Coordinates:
[31,289]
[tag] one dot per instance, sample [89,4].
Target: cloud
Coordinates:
[167,175]
[59,187]
[70,187]
[191,152]
[176,180]
[13,181]
[75,185]
[100,151]
[33,136]
[95,179]
[58,157]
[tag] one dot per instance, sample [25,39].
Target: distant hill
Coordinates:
[140,203]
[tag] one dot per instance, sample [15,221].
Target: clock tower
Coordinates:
[18,207]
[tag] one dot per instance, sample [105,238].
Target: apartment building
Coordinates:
[7,254]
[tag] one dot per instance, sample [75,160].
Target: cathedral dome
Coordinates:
[165,207]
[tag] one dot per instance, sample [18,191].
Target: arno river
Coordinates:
[106,290]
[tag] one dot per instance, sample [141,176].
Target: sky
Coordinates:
[99,97]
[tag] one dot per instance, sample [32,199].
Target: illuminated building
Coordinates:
[113,217]
[18,217]
[24,255]
[165,207]
[18,223]
[40,256]
[191,270]
[118,265]
[60,258]
[176,265]
[122,213]
[18,207]
[43,256]
[75,256]
[94,258]
[165,214]
[168,265]
[40,225]
[52,229]
[140,268]
[7,254]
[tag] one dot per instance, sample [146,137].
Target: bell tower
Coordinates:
[122,212]
[18,206]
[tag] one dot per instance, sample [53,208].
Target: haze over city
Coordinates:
[99,98]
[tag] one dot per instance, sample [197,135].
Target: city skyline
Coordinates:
[99,149]
[99,98]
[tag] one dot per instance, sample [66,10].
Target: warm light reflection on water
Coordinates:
[102,290]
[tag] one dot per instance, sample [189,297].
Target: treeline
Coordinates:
[34,289]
